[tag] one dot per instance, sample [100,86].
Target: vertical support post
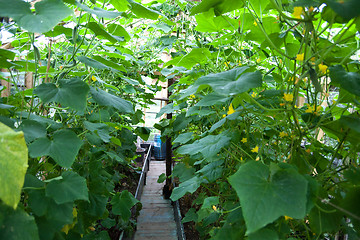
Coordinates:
[168,159]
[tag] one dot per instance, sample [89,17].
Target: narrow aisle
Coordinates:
[156,220]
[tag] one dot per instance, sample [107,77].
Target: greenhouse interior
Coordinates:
[179,119]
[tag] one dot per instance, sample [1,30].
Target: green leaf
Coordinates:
[143,12]
[183,138]
[32,130]
[7,54]
[212,171]
[183,172]
[191,185]
[190,216]
[208,146]
[197,55]
[143,132]
[264,234]
[69,93]
[92,63]
[48,13]
[122,204]
[161,178]
[321,221]
[211,99]
[13,165]
[347,9]
[121,6]
[350,81]
[207,22]
[101,13]
[99,31]
[169,108]
[63,147]
[218,6]
[351,121]
[17,225]
[101,129]
[109,63]
[266,195]
[106,99]
[231,82]
[343,128]
[68,189]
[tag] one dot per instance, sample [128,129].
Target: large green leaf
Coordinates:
[99,31]
[266,194]
[264,234]
[109,63]
[190,186]
[121,6]
[69,93]
[231,82]
[219,6]
[92,63]
[197,55]
[32,130]
[207,22]
[212,99]
[344,128]
[208,146]
[17,225]
[48,13]
[122,204]
[106,99]
[68,189]
[142,11]
[101,129]
[13,165]
[101,13]
[63,147]
[347,9]
[350,81]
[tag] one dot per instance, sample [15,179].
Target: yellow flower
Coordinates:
[241,159]
[159,16]
[288,97]
[255,149]
[224,115]
[300,57]
[244,140]
[192,96]
[254,94]
[322,68]
[255,23]
[214,207]
[297,12]
[311,109]
[93,78]
[61,67]
[258,60]
[287,218]
[283,134]
[231,109]
[227,64]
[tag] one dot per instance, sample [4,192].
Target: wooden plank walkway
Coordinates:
[156,220]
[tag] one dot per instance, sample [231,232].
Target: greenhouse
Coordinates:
[179,119]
